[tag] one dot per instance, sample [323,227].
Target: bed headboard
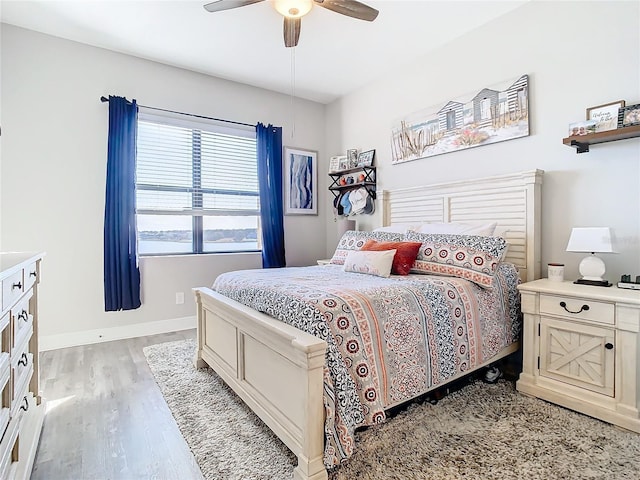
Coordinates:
[511,200]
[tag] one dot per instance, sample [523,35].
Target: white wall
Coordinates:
[54,150]
[577,55]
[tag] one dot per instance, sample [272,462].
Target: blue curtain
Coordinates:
[121,273]
[269,144]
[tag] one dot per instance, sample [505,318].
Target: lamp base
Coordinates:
[595,283]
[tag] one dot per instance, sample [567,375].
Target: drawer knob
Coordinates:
[24,359]
[25,407]
[583,308]
[23,315]
[32,274]
[16,285]
[608,346]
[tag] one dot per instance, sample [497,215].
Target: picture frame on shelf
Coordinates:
[577,129]
[606,115]
[300,181]
[365,159]
[629,116]
[344,163]
[334,163]
[352,155]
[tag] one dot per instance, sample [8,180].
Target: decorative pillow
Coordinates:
[472,257]
[482,229]
[400,228]
[371,263]
[352,240]
[406,253]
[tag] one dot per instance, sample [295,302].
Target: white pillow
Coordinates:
[481,229]
[370,262]
[399,228]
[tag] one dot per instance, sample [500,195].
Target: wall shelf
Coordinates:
[369,181]
[582,142]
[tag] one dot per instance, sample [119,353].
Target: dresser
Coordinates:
[22,410]
[581,349]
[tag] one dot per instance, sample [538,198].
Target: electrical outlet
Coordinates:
[179,298]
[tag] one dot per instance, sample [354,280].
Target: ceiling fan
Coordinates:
[294,10]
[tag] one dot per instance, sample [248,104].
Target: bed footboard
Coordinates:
[276,369]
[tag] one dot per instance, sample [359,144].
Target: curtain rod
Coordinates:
[104,99]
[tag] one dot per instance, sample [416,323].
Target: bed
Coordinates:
[288,376]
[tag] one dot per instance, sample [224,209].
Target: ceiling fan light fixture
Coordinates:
[293,8]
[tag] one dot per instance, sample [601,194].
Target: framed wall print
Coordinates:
[300,181]
[605,116]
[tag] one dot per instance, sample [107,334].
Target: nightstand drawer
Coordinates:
[578,308]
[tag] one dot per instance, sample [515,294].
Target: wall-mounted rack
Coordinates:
[368,182]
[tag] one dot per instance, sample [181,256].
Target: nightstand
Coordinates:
[324,261]
[581,349]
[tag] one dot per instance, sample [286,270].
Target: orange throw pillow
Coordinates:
[406,253]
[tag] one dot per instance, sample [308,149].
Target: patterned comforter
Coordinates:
[389,339]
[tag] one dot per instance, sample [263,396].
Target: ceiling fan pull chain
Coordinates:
[293,92]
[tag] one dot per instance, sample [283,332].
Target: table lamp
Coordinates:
[593,240]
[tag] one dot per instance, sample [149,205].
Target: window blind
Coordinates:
[195,168]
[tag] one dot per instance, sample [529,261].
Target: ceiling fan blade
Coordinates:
[220,5]
[350,8]
[291,29]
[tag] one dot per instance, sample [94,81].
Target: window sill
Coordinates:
[189,254]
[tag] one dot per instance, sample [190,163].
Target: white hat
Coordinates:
[358,199]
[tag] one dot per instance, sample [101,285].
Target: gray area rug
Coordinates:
[480,431]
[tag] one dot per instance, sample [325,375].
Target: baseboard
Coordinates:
[86,337]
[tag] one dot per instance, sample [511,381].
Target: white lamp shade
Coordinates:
[590,239]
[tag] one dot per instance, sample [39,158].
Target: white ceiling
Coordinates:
[336,54]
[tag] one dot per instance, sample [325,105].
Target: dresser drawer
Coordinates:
[577,308]
[7,445]
[30,275]
[22,321]
[12,288]
[23,399]
[5,387]
[22,370]
[5,333]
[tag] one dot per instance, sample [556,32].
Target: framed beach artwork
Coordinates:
[488,115]
[300,181]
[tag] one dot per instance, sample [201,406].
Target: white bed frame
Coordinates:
[278,370]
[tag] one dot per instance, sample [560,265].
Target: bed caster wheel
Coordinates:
[492,375]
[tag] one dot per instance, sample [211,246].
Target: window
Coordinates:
[196,186]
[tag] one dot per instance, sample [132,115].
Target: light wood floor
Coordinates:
[106,417]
